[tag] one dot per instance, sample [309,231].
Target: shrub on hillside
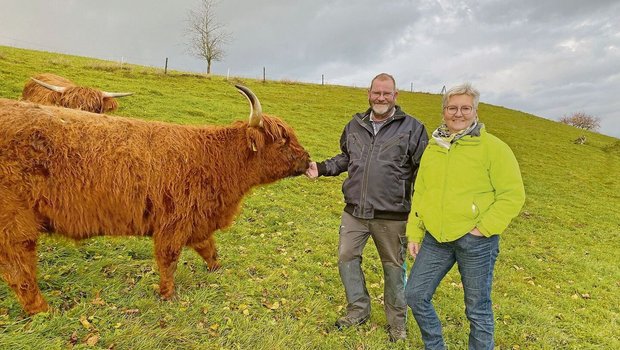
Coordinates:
[582,120]
[613,148]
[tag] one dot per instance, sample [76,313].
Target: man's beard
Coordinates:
[381,109]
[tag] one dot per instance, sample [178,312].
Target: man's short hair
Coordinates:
[383,76]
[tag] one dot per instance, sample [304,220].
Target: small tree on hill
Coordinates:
[208,37]
[582,120]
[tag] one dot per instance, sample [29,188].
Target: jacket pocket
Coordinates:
[354,147]
[483,201]
[464,208]
[394,149]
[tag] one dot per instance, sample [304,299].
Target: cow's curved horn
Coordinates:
[116,94]
[256,112]
[60,89]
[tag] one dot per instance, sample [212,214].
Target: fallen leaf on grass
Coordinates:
[74,338]
[131,311]
[97,300]
[92,339]
[274,306]
[85,322]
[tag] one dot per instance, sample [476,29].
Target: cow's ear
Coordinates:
[255,139]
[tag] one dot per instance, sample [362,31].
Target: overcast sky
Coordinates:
[546,57]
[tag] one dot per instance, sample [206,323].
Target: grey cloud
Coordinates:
[544,57]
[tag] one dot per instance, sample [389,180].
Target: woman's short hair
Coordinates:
[462,89]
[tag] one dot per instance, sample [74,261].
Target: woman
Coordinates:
[467,191]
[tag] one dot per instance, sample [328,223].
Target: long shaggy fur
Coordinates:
[75,97]
[81,175]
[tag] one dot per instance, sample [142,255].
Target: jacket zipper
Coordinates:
[443,192]
[366,169]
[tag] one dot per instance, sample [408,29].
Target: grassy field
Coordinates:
[557,281]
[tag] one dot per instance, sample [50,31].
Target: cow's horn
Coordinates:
[116,94]
[60,89]
[256,112]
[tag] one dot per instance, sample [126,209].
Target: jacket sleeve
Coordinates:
[417,145]
[419,141]
[415,226]
[337,164]
[509,192]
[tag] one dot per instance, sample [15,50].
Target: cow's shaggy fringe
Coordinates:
[76,97]
[81,175]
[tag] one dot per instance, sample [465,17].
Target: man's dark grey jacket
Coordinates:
[381,168]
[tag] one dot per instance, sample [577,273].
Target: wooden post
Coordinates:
[322,79]
[166,66]
[263,74]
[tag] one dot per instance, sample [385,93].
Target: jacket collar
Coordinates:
[473,137]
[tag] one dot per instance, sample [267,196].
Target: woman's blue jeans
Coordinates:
[475,257]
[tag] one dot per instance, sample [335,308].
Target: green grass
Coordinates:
[557,279]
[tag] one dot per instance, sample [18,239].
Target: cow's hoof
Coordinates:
[37,308]
[166,292]
[214,266]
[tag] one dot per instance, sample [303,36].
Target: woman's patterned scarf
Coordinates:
[445,139]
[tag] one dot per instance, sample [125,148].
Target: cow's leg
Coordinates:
[18,266]
[208,251]
[167,253]
[18,254]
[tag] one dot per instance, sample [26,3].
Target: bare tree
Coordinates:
[208,37]
[582,120]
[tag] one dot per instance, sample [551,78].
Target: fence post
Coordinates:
[166,66]
[322,79]
[264,74]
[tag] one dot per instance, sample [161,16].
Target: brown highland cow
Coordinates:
[82,177]
[54,90]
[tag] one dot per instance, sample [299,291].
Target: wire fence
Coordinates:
[165,63]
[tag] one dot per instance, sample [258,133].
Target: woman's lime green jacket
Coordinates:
[475,183]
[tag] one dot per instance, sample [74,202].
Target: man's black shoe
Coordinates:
[349,321]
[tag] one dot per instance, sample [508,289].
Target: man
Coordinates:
[381,150]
